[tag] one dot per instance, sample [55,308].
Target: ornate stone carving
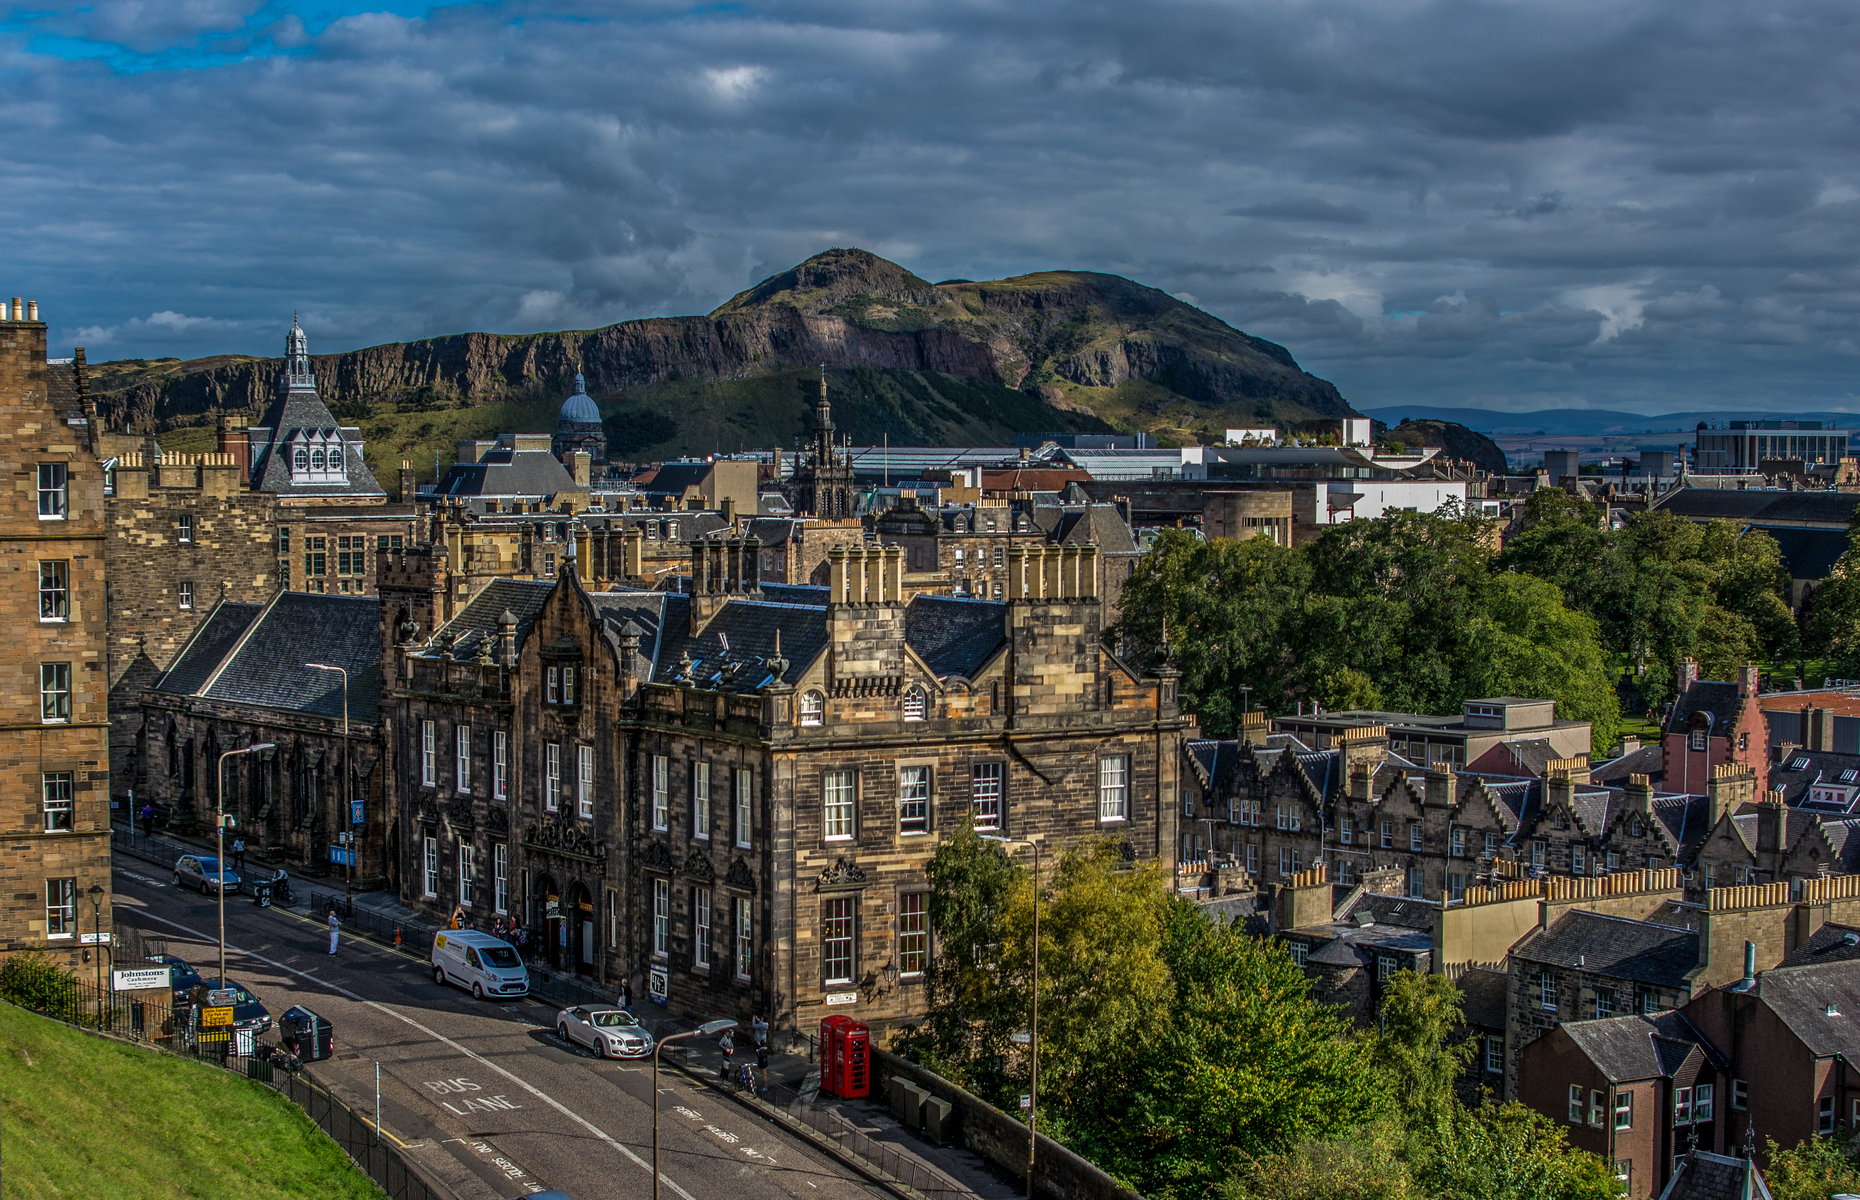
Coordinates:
[566,840]
[698,866]
[497,820]
[652,854]
[427,812]
[740,876]
[460,813]
[841,876]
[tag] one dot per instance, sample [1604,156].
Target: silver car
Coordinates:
[609,1032]
[202,873]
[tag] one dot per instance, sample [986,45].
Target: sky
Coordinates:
[1512,205]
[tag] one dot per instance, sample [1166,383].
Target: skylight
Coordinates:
[1800,764]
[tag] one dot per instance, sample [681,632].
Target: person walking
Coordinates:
[625,998]
[762,1064]
[335,924]
[148,820]
[239,854]
[458,915]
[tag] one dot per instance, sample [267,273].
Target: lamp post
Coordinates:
[1033,1028]
[96,930]
[219,834]
[348,804]
[707,1029]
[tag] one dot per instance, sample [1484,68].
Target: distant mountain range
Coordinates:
[1591,420]
[920,363]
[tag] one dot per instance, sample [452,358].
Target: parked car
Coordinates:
[609,1032]
[202,873]
[181,977]
[487,965]
[248,1013]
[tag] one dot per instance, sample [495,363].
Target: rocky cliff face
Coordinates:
[845,308]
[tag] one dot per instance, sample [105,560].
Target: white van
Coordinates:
[488,965]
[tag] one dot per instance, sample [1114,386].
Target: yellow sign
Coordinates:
[215,1016]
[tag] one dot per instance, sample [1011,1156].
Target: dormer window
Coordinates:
[914,704]
[1698,739]
[300,462]
[335,460]
[316,461]
[813,708]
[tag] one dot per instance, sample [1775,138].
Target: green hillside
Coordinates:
[84,1118]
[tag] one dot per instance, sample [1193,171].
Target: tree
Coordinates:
[1811,1170]
[1529,644]
[1367,1165]
[1420,1050]
[1510,1152]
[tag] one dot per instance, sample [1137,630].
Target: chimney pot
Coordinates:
[32,310]
[19,309]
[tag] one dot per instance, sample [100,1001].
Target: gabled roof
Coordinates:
[1648,760]
[1701,1175]
[1641,1046]
[955,636]
[1613,946]
[505,472]
[674,477]
[522,598]
[731,653]
[1818,766]
[265,664]
[1819,1004]
[1830,943]
[1757,507]
[1686,819]
[1718,701]
[208,647]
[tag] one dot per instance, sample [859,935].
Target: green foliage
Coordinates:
[1367,1165]
[1405,613]
[34,980]
[1811,1170]
[1420,1050]
[1509,1152]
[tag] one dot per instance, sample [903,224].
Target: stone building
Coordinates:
[245,677]
[823,484]
[54,737]
[1713,723]
[578,429]
[730,800]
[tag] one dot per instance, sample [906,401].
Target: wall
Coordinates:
[1002,1141]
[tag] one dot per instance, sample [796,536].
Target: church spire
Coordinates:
[823,412]
[297,376]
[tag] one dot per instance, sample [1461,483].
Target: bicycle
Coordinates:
[747,1079]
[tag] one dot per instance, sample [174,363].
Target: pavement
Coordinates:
[486,1100]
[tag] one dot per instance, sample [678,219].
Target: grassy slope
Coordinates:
[86,1117]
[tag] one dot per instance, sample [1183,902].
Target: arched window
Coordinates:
[813,708]
[335,460]
[316,460]
[914,704]
[301,461]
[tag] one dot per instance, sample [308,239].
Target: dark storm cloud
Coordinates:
[1450,202]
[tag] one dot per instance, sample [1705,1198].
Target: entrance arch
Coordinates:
[580,911]
[551,929]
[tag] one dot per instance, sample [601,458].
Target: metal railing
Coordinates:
[882,1157]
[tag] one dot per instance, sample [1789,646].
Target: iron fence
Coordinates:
[882,1157]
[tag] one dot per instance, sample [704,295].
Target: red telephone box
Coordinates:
[845,1069]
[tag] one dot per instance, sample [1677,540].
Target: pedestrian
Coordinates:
[148,820]
[335,924]
[762,1064]
[762,1031]
[727,1044]
[626,995]
[497,929]
[458,916]
[238,854]
[523,939]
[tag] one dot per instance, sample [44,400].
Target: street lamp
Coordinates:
[707,1029]
[1033,1028]
[348,804]
[96,930]
[219,833]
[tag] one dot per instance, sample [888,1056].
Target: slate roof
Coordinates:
[65,387]
[1484,997]
[1717,700]
[1648,761]
[264,665]
[1615,947]
[1099,524]
[1828,944]
[750,626]
[1395,911]
[1686,819]
[208,647]
[1641,1046]
[502,472]
[1757,507]
[674,477]
[522,598]
[1531,755]
[1800,997]
[953,635]
[1822,766]
[1701,1175]
[302,408]
[1808,553]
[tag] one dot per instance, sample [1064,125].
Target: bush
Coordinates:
[34,980]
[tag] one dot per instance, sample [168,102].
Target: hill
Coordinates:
[924,363]
[1599,420]
[1455,439]
[104,1120]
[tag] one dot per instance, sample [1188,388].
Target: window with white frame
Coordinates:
[461,760]
[913,933]
[568,685]
[1825,1117]
[661,792]
[429,754]
[1456,886]
[1457,842]
[745,938]
[1417,883]
[500,764]
[1577,865]
[1388,835]
[500,878]
[661,917]
[1597,1107]
[1114,787]
[584,780]
[1546,991]
[813,708]
[552,775]
[1491,845]
[1624,1110]
[1575,1104]
[429,883]
[184,527]
[55,794]
[55,693]
[1252,858]
[468,873]
[54,492]
[700,800]
[1385,967]
[1495,1054]
[184,594]
[836,940]
[836,804]
[1604,1003]
[60,907]
[1414,836]
[553,692]
[1300,952]
[1344,830]
[55,590]
[1740,1097]
[913,799]
[700,943]
[985,795]
[745,806]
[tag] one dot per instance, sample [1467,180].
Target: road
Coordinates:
[483,1095]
